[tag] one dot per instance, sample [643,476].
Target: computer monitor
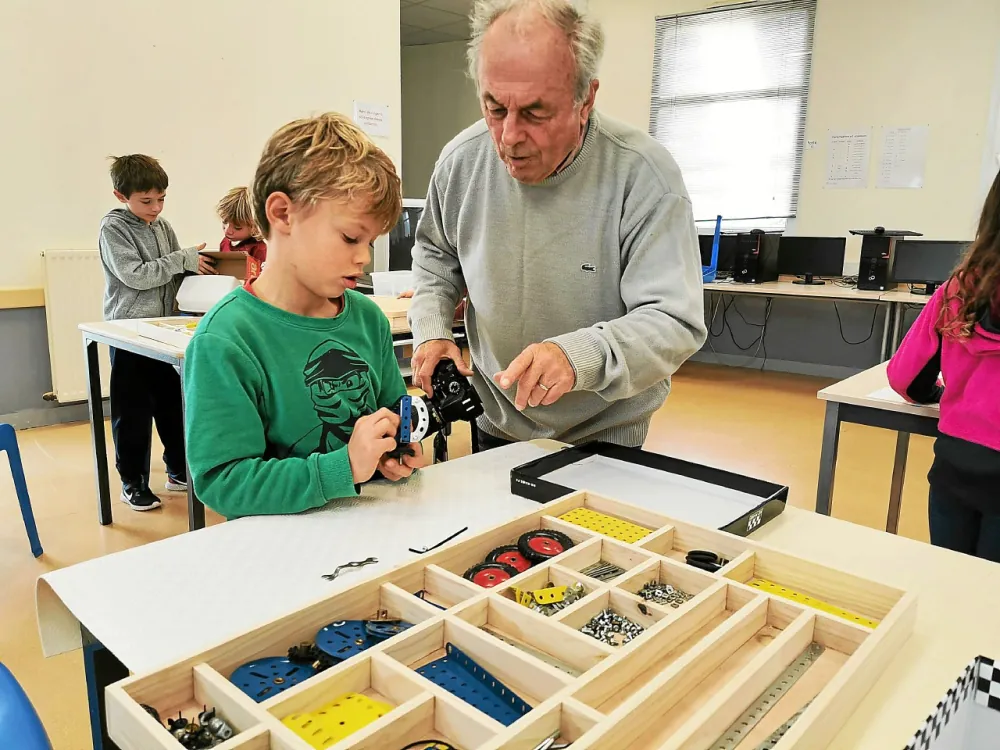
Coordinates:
[928,262]
[809,257]
[403,235]
[727,251]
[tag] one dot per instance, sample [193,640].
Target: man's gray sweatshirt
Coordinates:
[142,265]
[601,259]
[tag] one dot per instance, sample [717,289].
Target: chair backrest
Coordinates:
[20,726]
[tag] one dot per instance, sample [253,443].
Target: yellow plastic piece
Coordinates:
[549,595]
[799,598]
[336,720]
[522,597]
[607,525]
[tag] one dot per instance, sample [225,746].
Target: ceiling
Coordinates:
[433,21]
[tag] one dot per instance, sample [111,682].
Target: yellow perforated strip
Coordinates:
[799,598]
[610,526]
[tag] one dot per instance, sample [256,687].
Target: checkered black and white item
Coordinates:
[988,684]
[959,723]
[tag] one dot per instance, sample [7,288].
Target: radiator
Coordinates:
[74,294]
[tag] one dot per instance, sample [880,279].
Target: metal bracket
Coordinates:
[465,679]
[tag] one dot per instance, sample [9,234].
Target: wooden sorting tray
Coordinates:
[680,685]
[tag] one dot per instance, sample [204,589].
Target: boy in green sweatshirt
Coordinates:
[288,379]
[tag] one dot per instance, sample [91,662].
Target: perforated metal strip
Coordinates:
[767,700]
[609,526]
[810,601]
[781,731]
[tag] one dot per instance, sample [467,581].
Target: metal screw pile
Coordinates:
[603,571]
[612,628]
[573,593]
[664,593]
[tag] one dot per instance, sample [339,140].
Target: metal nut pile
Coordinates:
[603,571]
[612,628]
[664,593]
[573,593]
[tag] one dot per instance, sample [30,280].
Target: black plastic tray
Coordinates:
[528,480]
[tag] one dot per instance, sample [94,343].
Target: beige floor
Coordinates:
[766,425]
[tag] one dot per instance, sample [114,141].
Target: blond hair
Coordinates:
[327,157]
[583,34]
[235,208]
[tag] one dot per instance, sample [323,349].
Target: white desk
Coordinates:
[787,288]
[237,575]
[828,292]
[121,334]
[867,399]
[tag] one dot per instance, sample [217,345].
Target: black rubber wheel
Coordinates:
[510,555]
[490,574]
[538,546]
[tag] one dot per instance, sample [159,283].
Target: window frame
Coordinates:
[660,103]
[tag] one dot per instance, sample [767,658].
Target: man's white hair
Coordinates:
[585,36]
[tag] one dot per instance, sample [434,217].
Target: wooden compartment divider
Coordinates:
[678,686]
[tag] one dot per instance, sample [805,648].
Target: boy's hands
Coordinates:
[394,470]
[206,266]
[373,437]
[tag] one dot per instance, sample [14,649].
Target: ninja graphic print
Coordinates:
[340,387]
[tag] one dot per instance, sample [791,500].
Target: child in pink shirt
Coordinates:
[239,225]
[957,336]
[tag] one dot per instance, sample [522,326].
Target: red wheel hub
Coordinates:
[545,546]
[490,578]
[515,560]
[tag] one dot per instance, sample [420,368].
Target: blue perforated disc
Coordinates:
[464,678]
[344,639]
[266,678]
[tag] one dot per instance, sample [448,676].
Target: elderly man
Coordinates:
[572,234]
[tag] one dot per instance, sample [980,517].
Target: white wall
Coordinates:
[199,85]
[875,63]
[439,101]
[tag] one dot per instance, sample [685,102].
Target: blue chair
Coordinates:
[8,442]
[20,726]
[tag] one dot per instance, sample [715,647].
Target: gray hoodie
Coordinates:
[142,265]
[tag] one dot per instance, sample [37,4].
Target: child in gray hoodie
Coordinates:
[143,263]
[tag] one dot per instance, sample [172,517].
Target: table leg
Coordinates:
[102,668]
[474,436]
[890,308]
[897,326]
[95,404]
[898,475]
[828,458]
[196,510]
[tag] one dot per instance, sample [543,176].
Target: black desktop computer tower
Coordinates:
[878,247]
[756,257]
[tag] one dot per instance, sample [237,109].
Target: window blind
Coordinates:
[729,102]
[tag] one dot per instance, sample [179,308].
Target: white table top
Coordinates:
[786,288]
[871,388]
[125,331]
[905,296]
[240,574]
[243,573]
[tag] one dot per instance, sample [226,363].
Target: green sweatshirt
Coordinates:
[272,399]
